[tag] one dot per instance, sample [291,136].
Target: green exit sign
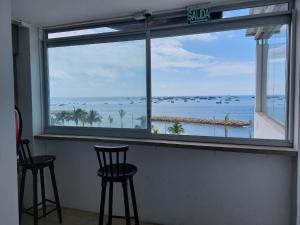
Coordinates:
[197,15]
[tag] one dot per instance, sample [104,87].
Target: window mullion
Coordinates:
[148,79]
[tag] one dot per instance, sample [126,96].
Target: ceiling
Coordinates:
[57,12]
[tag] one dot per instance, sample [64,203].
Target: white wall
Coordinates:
[29,82]
[8,163]
[180,186]
[297,103]
[266,128]
[29,93]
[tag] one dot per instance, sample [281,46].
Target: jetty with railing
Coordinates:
[222,122]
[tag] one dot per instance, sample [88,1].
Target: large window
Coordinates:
[205,84]
[167,79]
[98,85]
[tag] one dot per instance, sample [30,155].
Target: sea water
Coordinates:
[204,107]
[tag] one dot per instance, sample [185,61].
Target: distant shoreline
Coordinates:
[162,96]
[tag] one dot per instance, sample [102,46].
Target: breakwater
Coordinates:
[229,122]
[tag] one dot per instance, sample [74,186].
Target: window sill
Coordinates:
[177,144]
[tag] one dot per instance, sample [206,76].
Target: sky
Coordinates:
[221,63]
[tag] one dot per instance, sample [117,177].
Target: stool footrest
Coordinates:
[121,217]
[27,211]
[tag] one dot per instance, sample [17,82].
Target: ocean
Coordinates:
[204,107]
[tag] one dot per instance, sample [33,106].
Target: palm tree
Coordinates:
[75,115]
[110,120]
[154,130]
[83,117]
[92,117]
[143,122]
[122,113]
[69,116]
[176,128]
[226,119]
[79,114]
[250,126]
[61,116]
[52,120]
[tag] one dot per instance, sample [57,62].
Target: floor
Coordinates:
[72,217]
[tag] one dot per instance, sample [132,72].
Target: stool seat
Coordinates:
[40,161]
[117,171]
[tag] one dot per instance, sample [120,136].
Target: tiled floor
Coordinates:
[72,217]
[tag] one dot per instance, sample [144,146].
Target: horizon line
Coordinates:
[160,96]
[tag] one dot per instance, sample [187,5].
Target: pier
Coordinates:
[172,119]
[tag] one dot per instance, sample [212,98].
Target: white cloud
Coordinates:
[59,74]
[170,54]
[277,53]
[206,37]
[103,61]
[104,66]
[108,61]
[231,68]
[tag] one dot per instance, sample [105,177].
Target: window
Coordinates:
[256,10]
[162,78]
[81,32]
[202,82]
[99,29]
[276,69]
[204,85]
[98,85]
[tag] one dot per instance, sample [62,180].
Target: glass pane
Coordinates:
[204,85]
[98,85]
[99,30]
[256,10]
[276,65]
[124,26]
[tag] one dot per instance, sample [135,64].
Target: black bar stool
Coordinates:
[113,168]
[35,164]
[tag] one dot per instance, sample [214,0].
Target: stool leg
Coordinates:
[35,197]
[136,217]
[125,193]
[111,189]
[43,191]
[58,208]
[21,197]
[102,202]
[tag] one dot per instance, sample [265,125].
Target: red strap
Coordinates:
[17,118]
